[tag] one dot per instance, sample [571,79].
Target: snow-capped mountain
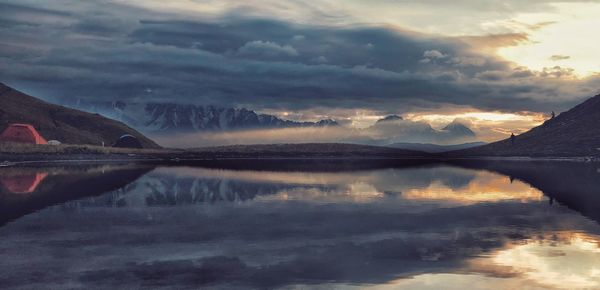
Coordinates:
[395,129]
[170,118]
[390,118]
[457,129]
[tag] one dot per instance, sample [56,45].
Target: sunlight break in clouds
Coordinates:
[569,42]
[353,61]
[489,126]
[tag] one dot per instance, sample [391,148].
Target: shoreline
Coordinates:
[173,159]
[18,154]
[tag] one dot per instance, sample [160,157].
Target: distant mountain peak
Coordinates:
[458,128]
[390,118]
[326,122]
[574,133]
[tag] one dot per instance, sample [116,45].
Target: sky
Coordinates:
[501,66]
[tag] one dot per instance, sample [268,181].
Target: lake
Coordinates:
[295,224]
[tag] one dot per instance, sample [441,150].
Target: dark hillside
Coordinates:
[571,134]
[60,123]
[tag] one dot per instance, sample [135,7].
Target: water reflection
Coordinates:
[559,260]
[444,184]
[423,226]
[22,183]
[26,190]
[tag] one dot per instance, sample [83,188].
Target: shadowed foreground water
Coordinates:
[465,225]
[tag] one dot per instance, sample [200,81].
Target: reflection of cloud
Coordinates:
[268,245]
[562,261]
[485,187]
[278,242]
[450,281]
[353,192]
[348,240]
[451,186]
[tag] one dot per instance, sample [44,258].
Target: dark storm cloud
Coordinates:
[257,63]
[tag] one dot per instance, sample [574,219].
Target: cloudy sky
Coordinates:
[500,65]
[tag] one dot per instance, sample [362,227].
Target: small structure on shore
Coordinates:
[22,133]
[128,141]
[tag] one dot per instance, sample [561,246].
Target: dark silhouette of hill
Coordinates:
[434,148]
[56,122]
[571,134]
[61,185]
[573,184]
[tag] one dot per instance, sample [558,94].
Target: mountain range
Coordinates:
[161,120]
[572,133]
[394,129]
[184,118]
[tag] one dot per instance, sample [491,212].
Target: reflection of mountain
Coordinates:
[179,186]
[282,243]
[574,184]
[160,190]
[60,185]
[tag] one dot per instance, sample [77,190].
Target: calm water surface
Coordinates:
[469,225]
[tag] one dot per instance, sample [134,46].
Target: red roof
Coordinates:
[22,133]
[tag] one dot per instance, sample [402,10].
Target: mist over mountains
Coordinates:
[207,125]
[169,118]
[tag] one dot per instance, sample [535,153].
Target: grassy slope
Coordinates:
[309,150]
[19,148]
[27,152]
[61,123]
[573,133]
